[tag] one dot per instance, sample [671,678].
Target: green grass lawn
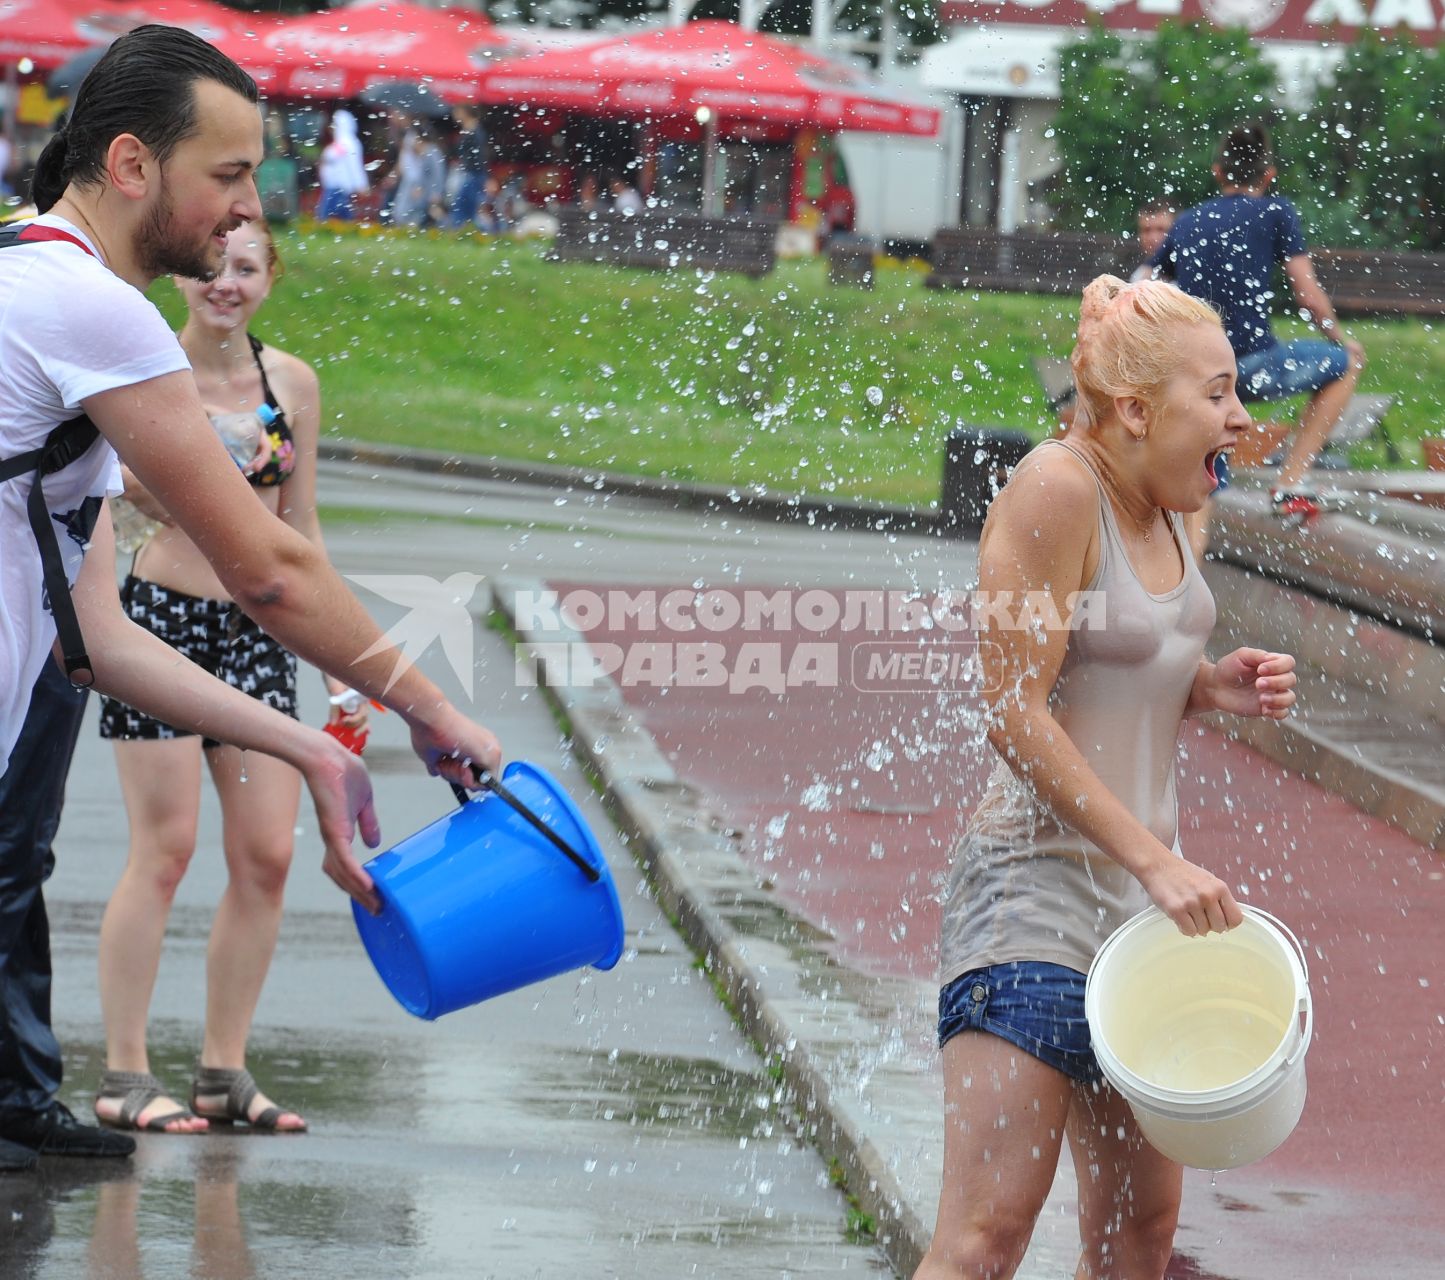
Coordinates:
[483,347]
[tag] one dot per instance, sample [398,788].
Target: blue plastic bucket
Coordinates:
[479,903]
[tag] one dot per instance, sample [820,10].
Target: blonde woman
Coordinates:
[1078,828]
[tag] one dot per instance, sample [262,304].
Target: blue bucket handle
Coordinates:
[494,785]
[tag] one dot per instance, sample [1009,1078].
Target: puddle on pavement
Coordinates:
[694,1096]
[187,1207]
[761,917]
[202,1214]
[697,1170]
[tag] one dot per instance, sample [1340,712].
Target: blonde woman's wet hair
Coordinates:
[1130,341]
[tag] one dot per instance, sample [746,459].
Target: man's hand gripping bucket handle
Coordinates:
[494,785]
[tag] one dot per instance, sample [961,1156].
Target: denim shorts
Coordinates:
[1038,1007]
[1291,368]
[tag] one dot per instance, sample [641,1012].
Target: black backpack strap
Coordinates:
[62,446]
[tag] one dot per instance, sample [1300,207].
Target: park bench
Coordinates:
[1381,282]
[1026,261]
[665,239]
[1359,281]
[850,262]
[1363,416]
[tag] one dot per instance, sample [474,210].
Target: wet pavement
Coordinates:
[620,1124]
[600,1124]
[848,799]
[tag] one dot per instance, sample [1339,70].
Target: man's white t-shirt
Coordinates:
[69,329]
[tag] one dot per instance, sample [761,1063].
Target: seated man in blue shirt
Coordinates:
[1225,251]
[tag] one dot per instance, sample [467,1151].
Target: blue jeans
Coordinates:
[467,200]
[1290,369]
[31,794]
[334,204]
[1036,1006]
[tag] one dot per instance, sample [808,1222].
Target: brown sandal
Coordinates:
[135,1091]
[239,1091]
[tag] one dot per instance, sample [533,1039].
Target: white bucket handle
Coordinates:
[1306,1004]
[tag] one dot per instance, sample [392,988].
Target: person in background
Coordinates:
[1225,251]
[174,594]
[400,138]
[341,172]
[1078,828]
[471,161]
[1153,221]
[7,154]
[625,198]
[421,181]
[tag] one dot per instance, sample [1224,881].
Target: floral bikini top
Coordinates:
[283,451]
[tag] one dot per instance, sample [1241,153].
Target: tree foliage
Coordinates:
[1141,118]
[1366,163]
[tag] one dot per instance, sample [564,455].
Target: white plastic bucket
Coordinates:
[1202,1036]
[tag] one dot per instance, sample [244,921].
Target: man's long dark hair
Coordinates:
[144,85]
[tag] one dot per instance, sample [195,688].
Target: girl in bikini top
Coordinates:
[282,461]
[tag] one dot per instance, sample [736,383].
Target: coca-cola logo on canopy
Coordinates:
[624,58]
[322,44]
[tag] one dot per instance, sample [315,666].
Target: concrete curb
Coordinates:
[843,1042]
[751,500]
[1374,727]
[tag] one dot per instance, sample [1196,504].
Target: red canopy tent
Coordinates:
[49,32]
[339,52]
[736,74]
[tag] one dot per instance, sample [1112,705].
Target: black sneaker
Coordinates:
[15,1158]
[56,1132]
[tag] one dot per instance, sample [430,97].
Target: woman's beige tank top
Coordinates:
[1023,886]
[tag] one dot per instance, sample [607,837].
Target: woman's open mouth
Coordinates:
[1216,467]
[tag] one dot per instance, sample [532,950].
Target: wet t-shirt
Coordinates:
[1225,251]
[69,329]
[1025,886]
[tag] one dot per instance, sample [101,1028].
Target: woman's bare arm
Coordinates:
[273,572]
[144,672]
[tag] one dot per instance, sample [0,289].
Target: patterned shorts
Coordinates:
[216,636]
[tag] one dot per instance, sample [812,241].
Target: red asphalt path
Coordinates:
[851,800]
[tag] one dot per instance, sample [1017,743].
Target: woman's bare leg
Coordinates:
[259,830]
[161,782]
[1128,1193]
[1005,1113]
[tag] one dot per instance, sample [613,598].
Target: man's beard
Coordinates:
[159,256]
